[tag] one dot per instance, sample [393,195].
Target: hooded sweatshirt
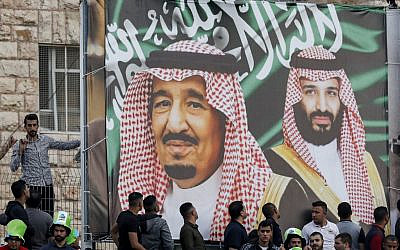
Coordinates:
[155,232]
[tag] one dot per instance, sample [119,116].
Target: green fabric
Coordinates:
[16,228]
[72,236]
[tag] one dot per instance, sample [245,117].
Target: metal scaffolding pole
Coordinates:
[86,239]
[393,60]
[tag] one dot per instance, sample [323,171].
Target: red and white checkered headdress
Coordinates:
[352,134]
[245,171]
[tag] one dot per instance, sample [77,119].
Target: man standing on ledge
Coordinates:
[32,154]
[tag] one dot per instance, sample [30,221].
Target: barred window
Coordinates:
[59,88]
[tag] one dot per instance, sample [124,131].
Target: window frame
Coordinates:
[53,70]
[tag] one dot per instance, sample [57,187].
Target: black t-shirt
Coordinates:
[127,223]
[235,235]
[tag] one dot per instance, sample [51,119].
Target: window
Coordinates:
[59,88]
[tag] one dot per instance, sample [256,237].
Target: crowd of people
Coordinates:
[33,229]
[133,230]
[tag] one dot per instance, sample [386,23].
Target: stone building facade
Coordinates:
[25,25]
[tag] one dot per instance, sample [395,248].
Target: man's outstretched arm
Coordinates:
[15,158]
[63,145]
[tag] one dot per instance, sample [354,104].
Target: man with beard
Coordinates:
[317,241]
[324,137]
[185,138]
[32,154]
[60,230]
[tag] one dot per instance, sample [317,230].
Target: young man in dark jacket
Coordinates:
[190,237]
[15,209]
[155,230]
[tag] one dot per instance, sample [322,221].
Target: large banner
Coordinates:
[210,102]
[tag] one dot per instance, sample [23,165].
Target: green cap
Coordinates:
[62,218]
[292,230]
[15,228]
[72,236]
[296,248]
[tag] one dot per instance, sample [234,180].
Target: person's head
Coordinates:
[15,231]
[150,204]
[319,113]
[182,120]
[269,210]
[34,199]
[316,241]
[264,232]
[20,189]
[31,124]
[135,200]
[344,211]
[390,243]
[293,238]
[237,210]
[318,212]
[343,241]
[60,233]
[188,212]
[61,227]
[381,216]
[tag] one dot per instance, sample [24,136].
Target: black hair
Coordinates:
[344,210]
[268,209]
[265,223]
[235,208]
[398,205]
[150,204]
[317,233]
[134,199]
[321,204]
[17,188]
[380,213]
[34,199]
[31,117]
[185,209]
[344,238]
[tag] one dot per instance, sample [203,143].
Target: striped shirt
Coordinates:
[35,159]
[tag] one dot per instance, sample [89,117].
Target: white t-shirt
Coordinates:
[204,199]
[329,163]
[329,232]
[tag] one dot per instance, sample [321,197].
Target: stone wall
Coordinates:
[23,25]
